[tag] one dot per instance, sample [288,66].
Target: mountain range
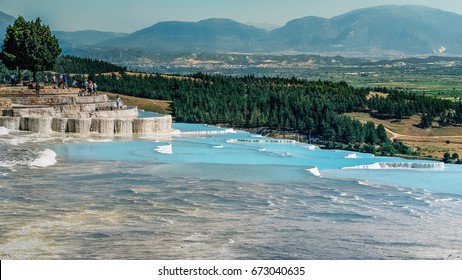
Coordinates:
[376,31]
[84,37]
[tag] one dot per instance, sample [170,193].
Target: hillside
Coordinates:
[85,37]
[211,34]
[376,31]
[393,29]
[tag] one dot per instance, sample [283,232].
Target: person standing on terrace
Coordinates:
[37,89]
[118,102]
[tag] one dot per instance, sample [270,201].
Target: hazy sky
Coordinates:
[132,15]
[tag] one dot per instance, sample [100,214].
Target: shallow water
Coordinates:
[211,193]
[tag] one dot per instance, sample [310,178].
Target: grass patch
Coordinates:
[152,105]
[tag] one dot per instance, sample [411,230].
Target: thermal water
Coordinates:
[205,192]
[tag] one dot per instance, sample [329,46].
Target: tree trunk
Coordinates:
[19,79]
[34,76]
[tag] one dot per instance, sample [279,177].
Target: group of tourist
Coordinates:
[88,88]
[58,81]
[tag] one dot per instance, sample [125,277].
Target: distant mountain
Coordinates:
[403,29]
[373,32]
[206,35]
[85,37]
[5,20]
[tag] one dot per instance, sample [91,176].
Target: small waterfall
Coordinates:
[103,126]
[59,125]
[82,126]
[162,124]
[149,126]
[70,125]
[123,127]
[141,126]
[36,124]
[24,124]
[11,122]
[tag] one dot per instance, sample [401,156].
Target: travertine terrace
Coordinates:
[63,111]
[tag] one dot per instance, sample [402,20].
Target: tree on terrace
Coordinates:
[29,45]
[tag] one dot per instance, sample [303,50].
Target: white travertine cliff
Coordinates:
[84,115]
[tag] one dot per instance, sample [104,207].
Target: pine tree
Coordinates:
[29,46]
[370,134]
[447,157]
[426,120]
[382,134]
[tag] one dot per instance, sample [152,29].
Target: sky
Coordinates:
[132,15]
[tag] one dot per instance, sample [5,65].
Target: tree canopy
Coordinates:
[29,45]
